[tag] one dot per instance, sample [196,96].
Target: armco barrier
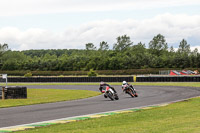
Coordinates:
[168,79]
[70,79]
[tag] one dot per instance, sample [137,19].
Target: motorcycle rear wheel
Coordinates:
[116,97]
[131,93]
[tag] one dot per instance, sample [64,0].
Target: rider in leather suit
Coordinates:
[125,83]
[103,85]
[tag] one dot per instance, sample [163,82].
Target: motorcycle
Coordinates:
[108,92]
[129,90]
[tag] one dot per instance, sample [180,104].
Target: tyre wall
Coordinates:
[70,79]
[14,92]
[108,79]
[169,79]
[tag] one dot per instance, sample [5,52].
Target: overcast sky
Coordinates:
[70,24]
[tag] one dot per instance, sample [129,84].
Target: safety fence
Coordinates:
[108,79]
[168,79]
[70,79]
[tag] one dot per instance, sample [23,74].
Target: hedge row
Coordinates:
[45,73]
[128,72]
[100,72]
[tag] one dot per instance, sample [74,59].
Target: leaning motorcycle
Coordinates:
[108,92]
[129,90]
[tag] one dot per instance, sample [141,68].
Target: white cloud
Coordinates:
[27,7]
[173,27]
[194,47]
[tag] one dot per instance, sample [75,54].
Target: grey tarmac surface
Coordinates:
[148,95]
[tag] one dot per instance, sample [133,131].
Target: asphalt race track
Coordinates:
[148,95]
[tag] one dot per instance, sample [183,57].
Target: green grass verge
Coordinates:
[192,84]
[182,117]
[38,96]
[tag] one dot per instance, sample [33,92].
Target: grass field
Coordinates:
[181,117]
[192,84]
[37,96]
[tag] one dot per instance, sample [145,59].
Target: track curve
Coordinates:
[148,95]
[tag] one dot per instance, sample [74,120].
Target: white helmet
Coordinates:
[124,82]
[102,83]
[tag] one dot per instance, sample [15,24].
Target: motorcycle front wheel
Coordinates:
[110,96]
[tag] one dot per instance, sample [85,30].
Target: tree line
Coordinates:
[123,55]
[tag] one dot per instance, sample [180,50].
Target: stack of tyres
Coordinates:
[15,92]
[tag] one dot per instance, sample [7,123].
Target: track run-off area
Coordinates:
[148,95]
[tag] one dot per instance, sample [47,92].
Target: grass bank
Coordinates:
[182,117]
[191,84]
[38,96]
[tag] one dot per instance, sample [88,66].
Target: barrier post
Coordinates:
[134,78]
[4,76]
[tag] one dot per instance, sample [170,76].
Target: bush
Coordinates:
[29,74]
[92,73]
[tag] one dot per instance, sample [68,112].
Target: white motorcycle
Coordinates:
[108,92]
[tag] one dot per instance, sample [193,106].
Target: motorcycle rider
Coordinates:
[125,83]
[103,85]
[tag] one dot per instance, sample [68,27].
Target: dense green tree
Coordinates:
[137,56]
[158,45]
[103,46]
[194,58]
[184,47]
[90,46]
[123,42]
[182,56]
[124,55]
[3,49]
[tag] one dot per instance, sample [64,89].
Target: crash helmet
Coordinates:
[124,82]
[102,83]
